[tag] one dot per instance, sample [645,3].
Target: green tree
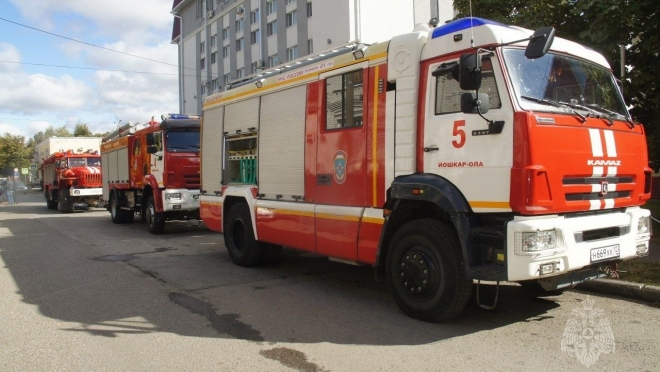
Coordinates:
[603,25]
[81,130]
[13,154]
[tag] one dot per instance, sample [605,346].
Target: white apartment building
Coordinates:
[224,41]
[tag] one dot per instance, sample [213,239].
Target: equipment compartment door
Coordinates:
[341,164]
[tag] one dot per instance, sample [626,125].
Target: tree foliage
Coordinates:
[603,25]
[13,154]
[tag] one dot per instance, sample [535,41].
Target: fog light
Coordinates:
[176,206]
[642,250]
[76,192]
[547,268]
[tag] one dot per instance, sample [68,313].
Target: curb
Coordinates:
[621,288]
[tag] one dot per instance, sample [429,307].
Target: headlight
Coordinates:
[534,242]
[644,225]
[176,195]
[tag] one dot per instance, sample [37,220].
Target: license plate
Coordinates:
[605,253]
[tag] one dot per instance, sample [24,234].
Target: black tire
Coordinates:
[155,220]
[50,203]
[65,202]
[425,271]
[243,248]
[115,212]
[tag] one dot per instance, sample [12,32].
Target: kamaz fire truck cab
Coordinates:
[153,169]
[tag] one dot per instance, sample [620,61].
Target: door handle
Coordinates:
[324,179]
[431,148]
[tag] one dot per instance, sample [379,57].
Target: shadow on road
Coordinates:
[112,279]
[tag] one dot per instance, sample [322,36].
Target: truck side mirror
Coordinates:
[473,104]
[151,149]
[470,71]
[150,140]
[540,42]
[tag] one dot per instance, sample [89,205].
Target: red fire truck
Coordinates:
[153,169]
[71,178]
[473,151]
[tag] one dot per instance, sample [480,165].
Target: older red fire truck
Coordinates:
[71,178]
[153,169]
[471,151]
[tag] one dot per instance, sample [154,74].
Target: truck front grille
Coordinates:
[591,188]
[93,179]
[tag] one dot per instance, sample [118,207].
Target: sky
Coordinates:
[133,82]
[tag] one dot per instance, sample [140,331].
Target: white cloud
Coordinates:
[12,129]
[140,28]
[8,52]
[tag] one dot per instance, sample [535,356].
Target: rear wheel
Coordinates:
[425,271]
[155,220]
[115,212]
[243,248]
[65,202]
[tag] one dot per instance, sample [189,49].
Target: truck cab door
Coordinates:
[458,146]
[341,163]
[157,158]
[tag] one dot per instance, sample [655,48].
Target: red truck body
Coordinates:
[70,178]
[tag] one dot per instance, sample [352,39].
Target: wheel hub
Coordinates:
[414,273]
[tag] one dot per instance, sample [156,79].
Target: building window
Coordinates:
[225,51]
[202,47]
[292,53]
[291,18]
[343,95]
[203,90]
[240,73]
[254,16]
[202,63]
[255,36]
[225,33]
[310,46]
[273,60]
[213,37]
[239,25]
[271,7]
[271,28]
[255,67]
[213,58]
[216,84]
[239,44]
[290,1]
[309,9]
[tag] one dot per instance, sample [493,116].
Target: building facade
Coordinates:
[224,41]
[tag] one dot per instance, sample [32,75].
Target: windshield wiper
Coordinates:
[631,124]
[555,104]
[592,113]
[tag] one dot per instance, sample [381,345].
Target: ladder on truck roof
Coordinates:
[351,46]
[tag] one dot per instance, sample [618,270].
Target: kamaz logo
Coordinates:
[611,163]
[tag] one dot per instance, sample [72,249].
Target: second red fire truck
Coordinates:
[152,169]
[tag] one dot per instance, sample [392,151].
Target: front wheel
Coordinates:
[155,220]
[50,203]
[425,271]
[65,202]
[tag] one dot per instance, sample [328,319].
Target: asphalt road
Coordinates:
[80,293]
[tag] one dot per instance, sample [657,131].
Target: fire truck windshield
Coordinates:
[182,141]
[561,83]
[85,162]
